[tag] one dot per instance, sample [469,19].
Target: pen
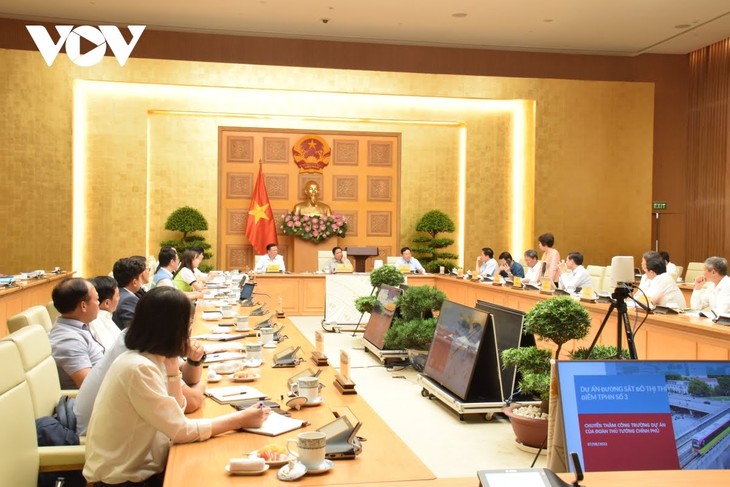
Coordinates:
[239,393]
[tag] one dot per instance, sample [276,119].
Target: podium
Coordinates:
[361,254]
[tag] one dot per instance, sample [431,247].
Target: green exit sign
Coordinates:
[660,205]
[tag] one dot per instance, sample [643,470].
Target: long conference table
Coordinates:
[661,337]
[385,457]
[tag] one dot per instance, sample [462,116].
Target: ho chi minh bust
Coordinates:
[312,205]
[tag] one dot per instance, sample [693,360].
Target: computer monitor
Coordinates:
[247,292]
[646,415]
[456,346]
[382,316]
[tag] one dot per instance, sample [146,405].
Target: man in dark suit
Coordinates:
[130,275]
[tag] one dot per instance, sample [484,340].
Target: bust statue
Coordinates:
[312,205]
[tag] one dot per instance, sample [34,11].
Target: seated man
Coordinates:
[534,267]
[488,265]
[717,294]
[103,327]
[192,388]
[660,288]
[407,259]
[169,262]
[671,267]
[573,275]
[338,258]
[508,267]
[129,275]
[272,257]
[72,345]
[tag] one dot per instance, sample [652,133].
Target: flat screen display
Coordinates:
[455,347]
[382,315]
[507,324]
[247,291]
[647,415]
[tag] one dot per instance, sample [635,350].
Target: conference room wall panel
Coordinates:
[131,144]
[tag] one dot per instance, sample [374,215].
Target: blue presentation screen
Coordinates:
[647,415]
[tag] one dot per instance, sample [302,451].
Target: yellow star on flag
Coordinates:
[259,212]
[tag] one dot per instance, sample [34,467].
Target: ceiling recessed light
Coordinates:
[459,15]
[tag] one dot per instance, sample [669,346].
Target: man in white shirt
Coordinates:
[407,259]
[103,327]
[533,268]
[573,275]
[717,293]
[272,257]
[659,286]
[671,267]
[489,265]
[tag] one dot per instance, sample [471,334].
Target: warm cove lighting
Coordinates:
[280,106]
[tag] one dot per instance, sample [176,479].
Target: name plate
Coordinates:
[341,268]
[516,281]
[404,269]
[273,268]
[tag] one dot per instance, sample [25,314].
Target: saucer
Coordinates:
[249,472]
[272,463]
[253,362]
[270,345]
[314,402]
[291,471]
[245,377]
[214,379]
[323,467]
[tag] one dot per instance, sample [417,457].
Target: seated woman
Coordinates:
[185,278]
[137,413]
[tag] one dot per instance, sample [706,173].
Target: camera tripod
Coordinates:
[618,303]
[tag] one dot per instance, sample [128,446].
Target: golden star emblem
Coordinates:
[259,212]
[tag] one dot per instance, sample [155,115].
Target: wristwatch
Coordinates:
[197,363]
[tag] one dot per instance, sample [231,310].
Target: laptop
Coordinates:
[342,440]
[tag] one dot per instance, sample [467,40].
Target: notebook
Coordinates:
[226,395]
[276,424]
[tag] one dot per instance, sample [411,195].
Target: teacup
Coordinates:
[253,350]
[308,387]
[310,447]
[267,335]
[227,311]
[242,323]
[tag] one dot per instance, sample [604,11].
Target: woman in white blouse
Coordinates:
[138,412]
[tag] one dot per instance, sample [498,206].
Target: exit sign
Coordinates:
[660,205]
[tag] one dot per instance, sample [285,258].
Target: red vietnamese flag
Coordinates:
[260,224]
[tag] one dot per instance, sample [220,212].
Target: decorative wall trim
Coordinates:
[239,149]
[240,185]
[380,153]
[277,186]
[379,224]
[276,150]
[351,217]
[239,256]
[345,152]
[236,221]
[345,188]
[380,188]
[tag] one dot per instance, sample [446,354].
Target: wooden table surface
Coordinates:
[384,457]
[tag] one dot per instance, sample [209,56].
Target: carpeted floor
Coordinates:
[448,446]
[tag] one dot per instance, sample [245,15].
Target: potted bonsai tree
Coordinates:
[187,220]
[413,330]
[557,320]
[430,249]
